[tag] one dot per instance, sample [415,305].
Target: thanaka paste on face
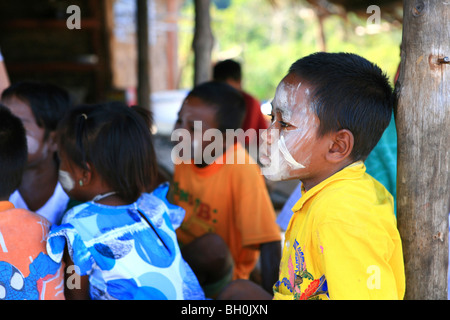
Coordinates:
[287,156]
[33,145]
[288,142]
[66,181]
[283,97]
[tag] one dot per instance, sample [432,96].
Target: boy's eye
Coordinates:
[284,124]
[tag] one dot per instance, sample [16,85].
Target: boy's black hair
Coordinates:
[116,141]
[48,102]
[349,92]
[228,101]
[13,152]
[227,69]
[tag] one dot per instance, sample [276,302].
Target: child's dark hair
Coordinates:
[227,69]
[228,101]
[13,152]
[48,102]
[349,92]
[116,141]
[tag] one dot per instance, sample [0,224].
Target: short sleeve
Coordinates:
[80,255]
[176,214]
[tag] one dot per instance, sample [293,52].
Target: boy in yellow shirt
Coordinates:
[342,241]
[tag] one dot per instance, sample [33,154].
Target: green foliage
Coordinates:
[267,40]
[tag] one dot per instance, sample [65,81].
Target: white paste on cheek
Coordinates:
[287,155]
[290,142]
[33,145]
[298,142]
[66,181]
[285,144]
[276,168]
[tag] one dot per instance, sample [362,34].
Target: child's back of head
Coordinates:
[116,142]
[349,93]
[227,69]
[13,152]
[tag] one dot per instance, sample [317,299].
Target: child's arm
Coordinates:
[76,286]
[4,78]
[270,263]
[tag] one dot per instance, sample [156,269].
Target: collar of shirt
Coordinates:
[352,171]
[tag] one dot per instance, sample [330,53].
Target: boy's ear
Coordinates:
[52,141]
[342,146]
[86,177]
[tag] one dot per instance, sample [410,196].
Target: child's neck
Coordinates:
[311,183]
[38,185]
[109,199]
[113,202]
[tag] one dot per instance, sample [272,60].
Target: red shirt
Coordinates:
[254,119]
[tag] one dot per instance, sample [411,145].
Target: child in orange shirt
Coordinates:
[227,204]
[26,271]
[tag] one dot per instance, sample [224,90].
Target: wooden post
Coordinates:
[203,42]
[144,85]
[423,124]
[171,46]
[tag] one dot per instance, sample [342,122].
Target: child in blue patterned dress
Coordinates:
[121,240]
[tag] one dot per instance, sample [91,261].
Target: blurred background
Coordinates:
[99,61]
[102,60]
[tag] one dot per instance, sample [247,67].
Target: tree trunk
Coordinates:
[423,124]
[143,68]
[203,42]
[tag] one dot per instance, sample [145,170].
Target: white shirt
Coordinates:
[52,210]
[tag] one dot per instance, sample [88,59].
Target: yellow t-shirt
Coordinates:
[342,242]
[230,200]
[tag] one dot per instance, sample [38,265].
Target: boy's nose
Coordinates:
[269,135]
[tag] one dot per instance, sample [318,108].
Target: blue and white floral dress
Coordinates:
[129,252]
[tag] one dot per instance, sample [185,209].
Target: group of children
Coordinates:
[119,235]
